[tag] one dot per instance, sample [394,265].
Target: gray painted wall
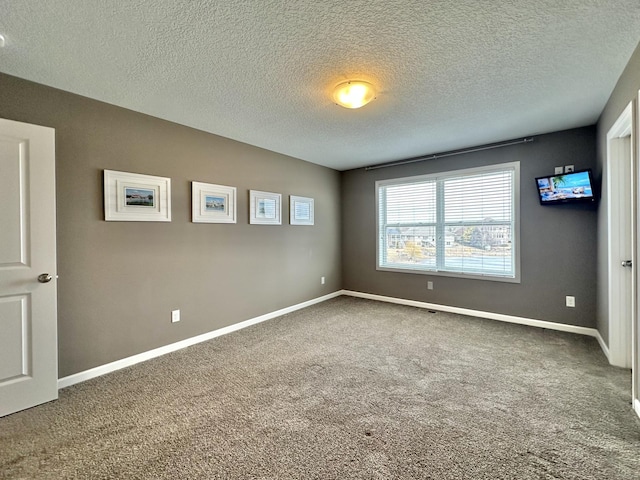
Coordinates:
[120,280]
[558,242]
[625,91]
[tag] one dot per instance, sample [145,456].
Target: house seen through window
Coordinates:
[459,223]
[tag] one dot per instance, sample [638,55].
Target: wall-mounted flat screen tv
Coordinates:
[566,188]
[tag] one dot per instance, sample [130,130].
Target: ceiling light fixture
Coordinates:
[354,93]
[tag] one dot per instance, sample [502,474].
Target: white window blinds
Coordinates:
[460,223]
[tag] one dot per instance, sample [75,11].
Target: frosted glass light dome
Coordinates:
[354,94]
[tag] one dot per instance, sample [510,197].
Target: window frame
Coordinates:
[439,207]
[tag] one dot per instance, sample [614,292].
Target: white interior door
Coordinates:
[28,318]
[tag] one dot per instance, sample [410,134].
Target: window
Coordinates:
[460,223]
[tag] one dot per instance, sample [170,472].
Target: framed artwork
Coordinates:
[132,197]
[300,210]
[265,208]
[212,203]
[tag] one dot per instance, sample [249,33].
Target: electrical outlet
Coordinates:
[571,301]
[321,280]
[429,285]
[559,171]
[175,316]
[568,168]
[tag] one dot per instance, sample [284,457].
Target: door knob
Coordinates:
[626,263]
[44,278]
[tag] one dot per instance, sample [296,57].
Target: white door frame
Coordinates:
[635,327]
[621,245]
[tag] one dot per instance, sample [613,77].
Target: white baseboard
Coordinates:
[562,327]
[156,352]
[603,346]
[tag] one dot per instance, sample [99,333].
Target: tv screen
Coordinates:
[566,188]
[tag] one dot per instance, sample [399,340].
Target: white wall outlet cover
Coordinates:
[430,285]
[175,316]
[559,170]
[571,301]
[568,168]
[322,280]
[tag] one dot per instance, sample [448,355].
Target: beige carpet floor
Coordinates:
[346,389]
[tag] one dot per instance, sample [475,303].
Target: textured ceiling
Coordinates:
[450,74]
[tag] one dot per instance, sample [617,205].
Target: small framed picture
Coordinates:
[212,203]
[300,210]
[265,208]
[132,197]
